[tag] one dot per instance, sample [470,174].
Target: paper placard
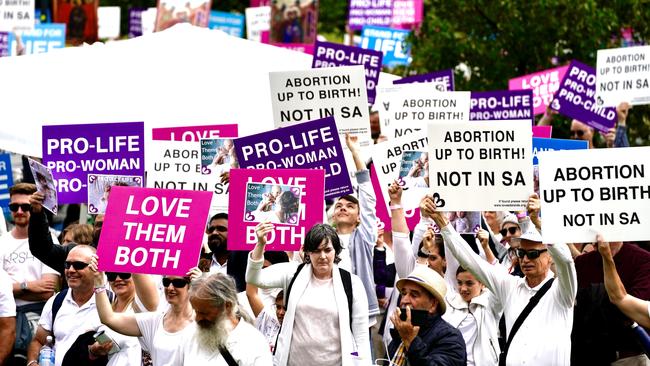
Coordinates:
[502,105]
[100,186]
[623,76]
[44,184]
[595,190]
[17,14]
[543,84]
[444,78]
[258,19]
[480,166]
[154,231]
[286,236]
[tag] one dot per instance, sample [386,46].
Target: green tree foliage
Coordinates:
[499,40]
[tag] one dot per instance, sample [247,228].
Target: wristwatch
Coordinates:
[23,286]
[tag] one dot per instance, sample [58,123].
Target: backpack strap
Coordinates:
[346,278]
[520,319]
[227,356]
[56,305]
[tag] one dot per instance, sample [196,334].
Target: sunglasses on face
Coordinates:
[578,133]
[112,276]
[26,207]
[77,265]
[219,228]
[176,282]
[531,254]
[512,230]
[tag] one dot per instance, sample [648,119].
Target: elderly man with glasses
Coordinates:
[544,336]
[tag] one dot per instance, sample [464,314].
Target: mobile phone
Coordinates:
[418,317]
[102,338]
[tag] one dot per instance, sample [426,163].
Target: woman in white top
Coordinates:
[470,307]
[160,333]
[316,326]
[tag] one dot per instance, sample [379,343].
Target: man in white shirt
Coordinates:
[544,338]
[33,282]
[221,336]
[7,317]
[76,317]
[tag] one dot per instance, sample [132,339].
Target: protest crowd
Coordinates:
[381,221]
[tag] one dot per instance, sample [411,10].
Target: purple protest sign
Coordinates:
[309,145]
[363,12]
[501,105]
[4,44]
[333,54]
[445,77]
[135,22]
[72,152]
[575,98]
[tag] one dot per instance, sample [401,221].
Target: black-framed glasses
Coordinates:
[531,254]
[578,133]
[512,230]
[112,276]
[26,207]
[77,265]
[176,282]
[219,228]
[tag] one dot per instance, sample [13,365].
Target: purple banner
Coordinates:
[4,44]
[135,22]
[365,12]
[309,145]
[72,152]
[334,54]
[443,76]
[575,98]
[501,105]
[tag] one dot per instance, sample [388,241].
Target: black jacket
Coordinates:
[42,246]
[437,344]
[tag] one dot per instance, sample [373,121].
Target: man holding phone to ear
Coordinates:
[421,336]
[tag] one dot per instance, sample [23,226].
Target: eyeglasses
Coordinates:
[176,282]
[578,133]
[512,230]
[26,207]
[77,265]
[531,254]
[219,228]
[112,276]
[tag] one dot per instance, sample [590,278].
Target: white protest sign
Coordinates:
[480,166]
[177,165]
[623,75]
[306,95]
[108,18]
[596,190]
[16,14]
[412,107]
[257,20]
[148,20]
[387,159]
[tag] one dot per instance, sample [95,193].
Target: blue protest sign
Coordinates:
[388,41]
[230,23]
[6,179]
[541,144]
[41,39]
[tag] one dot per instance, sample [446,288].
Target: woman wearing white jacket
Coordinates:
[317,327]
[471,308]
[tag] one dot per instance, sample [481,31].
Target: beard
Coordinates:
[217,245]
[211,337]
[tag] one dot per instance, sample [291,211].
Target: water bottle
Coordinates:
[46,355]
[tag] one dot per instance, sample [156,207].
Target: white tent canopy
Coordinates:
[182,76]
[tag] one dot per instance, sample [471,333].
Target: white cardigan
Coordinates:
[279,275]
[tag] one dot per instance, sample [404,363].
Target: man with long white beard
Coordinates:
[222,337]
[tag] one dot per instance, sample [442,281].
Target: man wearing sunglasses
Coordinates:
[76,320]
[544,337]
[222,260]
[33,281]
[580,131]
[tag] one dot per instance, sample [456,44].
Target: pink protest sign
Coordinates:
[279,196]
[155,231]
[543,84]
[307,48]
[542,131]
[407,13]
[194,133]
[412,216]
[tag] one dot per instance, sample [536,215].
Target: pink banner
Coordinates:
[407,13]
[155,231]
[543,84]
[412,216]
[194,133]
[542,131]
[256,3]
[245,206]
[300,47]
